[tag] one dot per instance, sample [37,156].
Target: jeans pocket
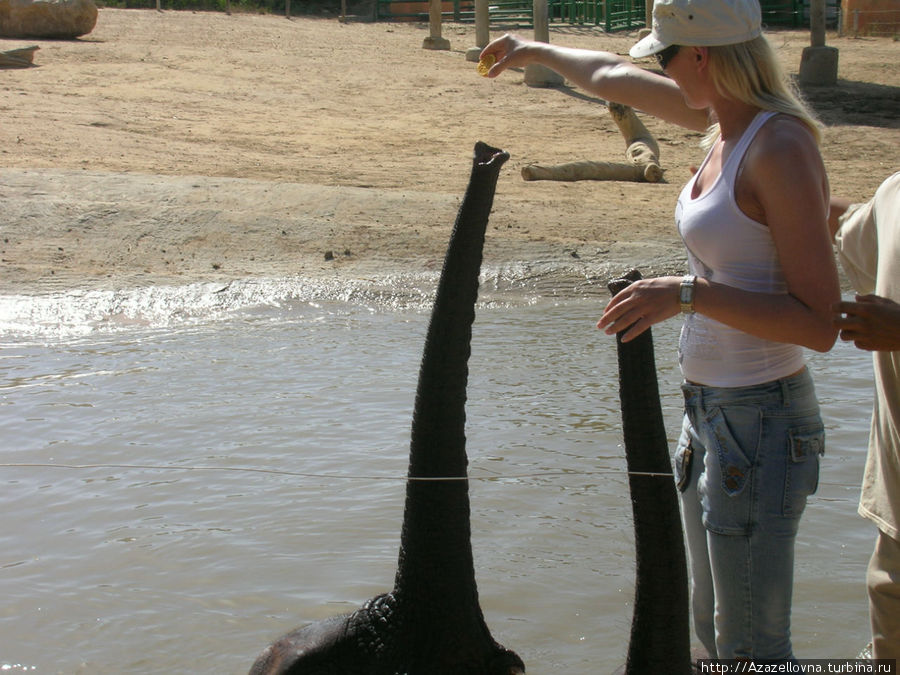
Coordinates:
[802,473]
[684,461]
[732,439]
[733,431]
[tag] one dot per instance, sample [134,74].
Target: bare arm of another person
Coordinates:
[783,186]
[603,74]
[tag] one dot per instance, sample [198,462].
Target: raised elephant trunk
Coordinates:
[431,622]
[435,577]
[660,629]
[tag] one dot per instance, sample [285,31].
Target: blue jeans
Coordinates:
[746,461]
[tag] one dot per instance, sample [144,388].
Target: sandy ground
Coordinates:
[175,147]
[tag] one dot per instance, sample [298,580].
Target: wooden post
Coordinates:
[537,75]
[287,9]
[482,30]
[434,40]
[817,23]
[482,23]
[541,19]
[818,63]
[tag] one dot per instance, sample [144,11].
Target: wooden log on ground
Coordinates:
[642,153]
[642,149]
[587,170]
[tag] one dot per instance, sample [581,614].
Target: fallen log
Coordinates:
[641,148]
[588,170]
[642,152]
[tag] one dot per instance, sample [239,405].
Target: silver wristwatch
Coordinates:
[686,293]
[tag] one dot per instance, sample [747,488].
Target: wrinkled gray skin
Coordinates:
[660,628]
[431,621]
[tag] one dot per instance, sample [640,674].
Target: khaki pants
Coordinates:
[883,582]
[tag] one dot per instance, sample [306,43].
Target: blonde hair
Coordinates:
[750,72]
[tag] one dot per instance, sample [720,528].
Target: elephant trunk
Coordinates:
[436,532]
[431,621]
[435,568]
[660,630]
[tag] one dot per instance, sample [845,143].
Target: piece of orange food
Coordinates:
[485,64]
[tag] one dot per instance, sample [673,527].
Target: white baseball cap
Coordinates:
[700,23]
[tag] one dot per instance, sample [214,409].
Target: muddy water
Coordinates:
[181,487]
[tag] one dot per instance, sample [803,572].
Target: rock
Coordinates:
[56,19]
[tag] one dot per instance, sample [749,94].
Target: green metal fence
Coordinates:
[795,13]
[612,15]
[516,11]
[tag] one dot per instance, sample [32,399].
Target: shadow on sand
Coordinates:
[855,103]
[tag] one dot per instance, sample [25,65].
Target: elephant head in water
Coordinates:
[431,622]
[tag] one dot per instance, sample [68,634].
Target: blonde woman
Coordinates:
[762,281]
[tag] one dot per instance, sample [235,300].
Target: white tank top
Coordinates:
[727,247]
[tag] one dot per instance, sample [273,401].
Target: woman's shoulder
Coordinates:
[783,130]
[784,141]
[783,162]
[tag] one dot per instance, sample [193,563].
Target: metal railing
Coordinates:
[611,15]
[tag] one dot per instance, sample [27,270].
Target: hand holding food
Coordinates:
[485,64]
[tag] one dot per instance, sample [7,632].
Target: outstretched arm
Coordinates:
[603,74]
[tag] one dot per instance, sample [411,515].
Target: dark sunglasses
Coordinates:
[666,55]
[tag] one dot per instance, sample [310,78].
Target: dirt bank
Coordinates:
[173,147]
